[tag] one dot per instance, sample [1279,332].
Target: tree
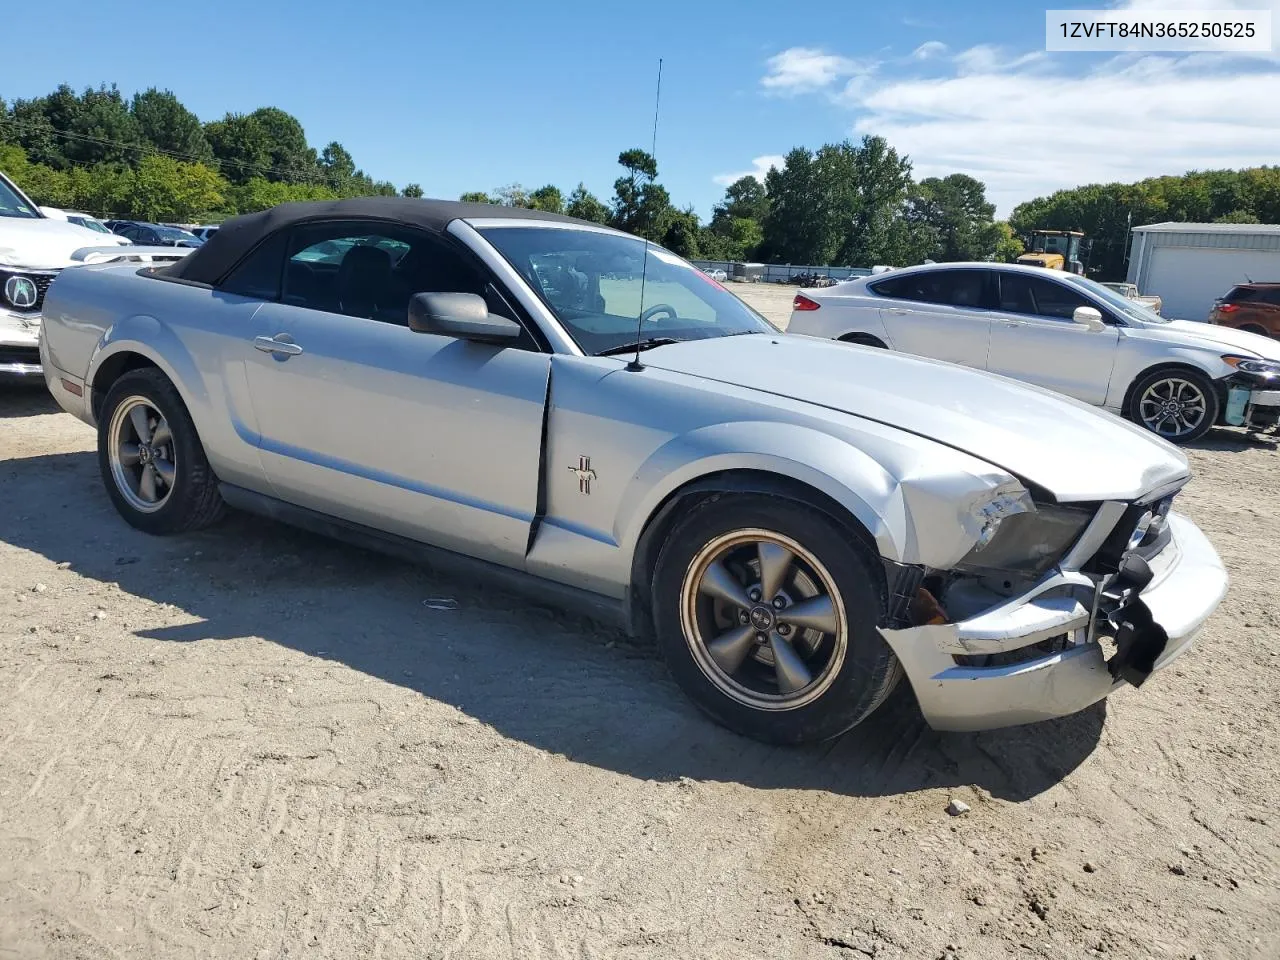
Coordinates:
[640,204]
[476,196]
[164,123]
[337,166]
[512,195]
[241,146]
[162,188]
[287,144]
[412,190]
[1237,216]
[584,205]
[874,200]
[548,198]
[681,235]
[797,227]
[956,209]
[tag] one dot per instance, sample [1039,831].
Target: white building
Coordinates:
[1189,265]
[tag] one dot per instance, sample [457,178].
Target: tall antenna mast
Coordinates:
[657,99]
[635,363]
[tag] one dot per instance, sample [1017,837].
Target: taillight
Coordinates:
[801,302]
[1228,307]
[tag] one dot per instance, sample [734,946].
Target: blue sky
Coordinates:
[472,96]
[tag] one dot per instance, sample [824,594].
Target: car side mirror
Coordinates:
[1090,318]
[462,315]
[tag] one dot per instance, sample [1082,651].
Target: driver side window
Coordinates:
[1038,296]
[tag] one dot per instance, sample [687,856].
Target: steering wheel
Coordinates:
[658,308]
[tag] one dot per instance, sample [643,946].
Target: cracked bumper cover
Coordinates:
[1188,582]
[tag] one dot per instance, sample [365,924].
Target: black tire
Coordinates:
[865,673]
[1254,328]
[1194,379]
[864,339]
[192,501]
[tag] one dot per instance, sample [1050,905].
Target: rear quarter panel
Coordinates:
[197,337]
[842,311]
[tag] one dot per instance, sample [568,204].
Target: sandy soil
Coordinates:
[256,743]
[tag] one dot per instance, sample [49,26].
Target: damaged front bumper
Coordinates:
[1067,642]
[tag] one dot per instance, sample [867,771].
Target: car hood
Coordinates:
[1213,337]
[1070,449]
[46,244]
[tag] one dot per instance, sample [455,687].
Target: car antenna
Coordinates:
[635,365]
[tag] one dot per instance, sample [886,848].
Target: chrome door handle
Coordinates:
[898,311]
[272,345]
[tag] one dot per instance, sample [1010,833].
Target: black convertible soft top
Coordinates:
[237,236]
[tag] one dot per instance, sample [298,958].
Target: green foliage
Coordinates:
[681,234]
[476,196]
[162,188]
[584,205]
[412,190]
[641,205]
[1237,216]
[548,198]
[1105,212]
[165,124]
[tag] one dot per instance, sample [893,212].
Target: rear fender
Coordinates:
[147,337]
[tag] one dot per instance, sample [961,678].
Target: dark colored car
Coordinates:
[1254,307]
[154,234]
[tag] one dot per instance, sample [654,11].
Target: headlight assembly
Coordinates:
[1029,543]
[1250,365]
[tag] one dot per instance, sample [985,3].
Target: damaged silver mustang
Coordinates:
[512,394]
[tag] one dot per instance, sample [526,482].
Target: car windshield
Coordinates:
[1130,309]
[599,284]
[12,205]
[92,224]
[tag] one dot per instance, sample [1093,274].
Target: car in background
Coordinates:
[1130,292]
[34,248]
[81,220]
[1254,307]
[204,233]
[1060,331]
[715,273]
[154,234]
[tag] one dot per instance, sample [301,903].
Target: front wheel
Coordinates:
[766,614]
[1179,405]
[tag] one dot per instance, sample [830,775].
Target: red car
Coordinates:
[1254,307]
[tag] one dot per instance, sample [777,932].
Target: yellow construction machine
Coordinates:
[1054,250]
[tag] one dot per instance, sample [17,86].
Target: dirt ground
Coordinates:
[256,743]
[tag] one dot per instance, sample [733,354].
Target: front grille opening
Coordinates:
[1009,658]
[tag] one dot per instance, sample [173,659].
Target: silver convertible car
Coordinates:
[570,410]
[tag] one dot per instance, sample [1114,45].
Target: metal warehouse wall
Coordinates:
[1191,283]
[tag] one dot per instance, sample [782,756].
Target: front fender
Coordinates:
[845,474]
[920,511]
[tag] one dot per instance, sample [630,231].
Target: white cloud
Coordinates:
[759,167]
[929,49]
[1030,124]
[807,69]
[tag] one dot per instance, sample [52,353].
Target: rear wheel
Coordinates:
[1179,405]
[151,458]
[766,615]
[1254,328]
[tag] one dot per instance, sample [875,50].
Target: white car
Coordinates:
[34,247]
[715,273]
[1062,332]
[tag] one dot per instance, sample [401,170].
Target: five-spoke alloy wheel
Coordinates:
[151,458]
[766,611]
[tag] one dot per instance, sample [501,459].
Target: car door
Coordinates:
[941,313]
[1033,337]
[425,436]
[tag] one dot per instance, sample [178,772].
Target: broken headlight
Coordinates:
[1029,543]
